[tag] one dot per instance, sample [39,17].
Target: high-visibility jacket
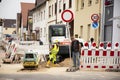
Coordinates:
[54,52]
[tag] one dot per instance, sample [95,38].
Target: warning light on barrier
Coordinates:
[94,44]
[86,44]
[101,44]
[116,44]
[109,45]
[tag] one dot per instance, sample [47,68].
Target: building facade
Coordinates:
[49,12]
[25,7]
[40,19]
[110,21]
[83,23]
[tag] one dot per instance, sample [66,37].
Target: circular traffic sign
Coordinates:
[95,25]
[95,17]
[67,15]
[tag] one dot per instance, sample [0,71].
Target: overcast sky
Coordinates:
[10,8]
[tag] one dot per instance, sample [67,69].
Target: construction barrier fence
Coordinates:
[100,58]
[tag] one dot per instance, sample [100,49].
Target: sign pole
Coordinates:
[67,25]
[67,16]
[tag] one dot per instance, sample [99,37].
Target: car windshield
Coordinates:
[58,31]
[29,56]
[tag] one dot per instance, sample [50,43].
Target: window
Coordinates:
[37,15]
[41,15]
[44,31]
[44,14]
[81,31]
[89,2]
[64,6]
[88,33]
[55,8]
[33,18]
[82,4]
[77,5]
[40,32]
[70,3]
[96,1]
[29,56]
[49,11]
[59,6]
[52,10]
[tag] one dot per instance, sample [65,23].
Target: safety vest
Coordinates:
[55,49]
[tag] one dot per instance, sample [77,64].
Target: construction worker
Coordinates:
[53,54]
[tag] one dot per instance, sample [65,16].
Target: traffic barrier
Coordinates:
[13,52]
[100,59]
[42,50]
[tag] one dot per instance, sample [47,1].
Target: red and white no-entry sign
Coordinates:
[67,15]
[94,17]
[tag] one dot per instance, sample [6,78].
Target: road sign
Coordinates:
[95,17]
[67,15]
[95,25]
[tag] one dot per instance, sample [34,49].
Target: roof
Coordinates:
[25,7]
[38,3]
[9,23]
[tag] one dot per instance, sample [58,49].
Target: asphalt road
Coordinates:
[80,75]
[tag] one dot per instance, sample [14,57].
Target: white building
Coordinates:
[40,20]
[47,12]
[111,21]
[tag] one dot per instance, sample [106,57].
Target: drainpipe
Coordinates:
[56,11]
[102,20]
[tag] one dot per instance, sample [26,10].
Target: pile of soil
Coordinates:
[64,63]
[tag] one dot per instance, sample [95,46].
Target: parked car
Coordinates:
[31,60]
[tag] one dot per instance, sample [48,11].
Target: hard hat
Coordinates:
[56,41]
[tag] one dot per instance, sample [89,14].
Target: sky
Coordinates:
[10,8]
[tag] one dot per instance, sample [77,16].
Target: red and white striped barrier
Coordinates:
[100,59]
[13,52]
